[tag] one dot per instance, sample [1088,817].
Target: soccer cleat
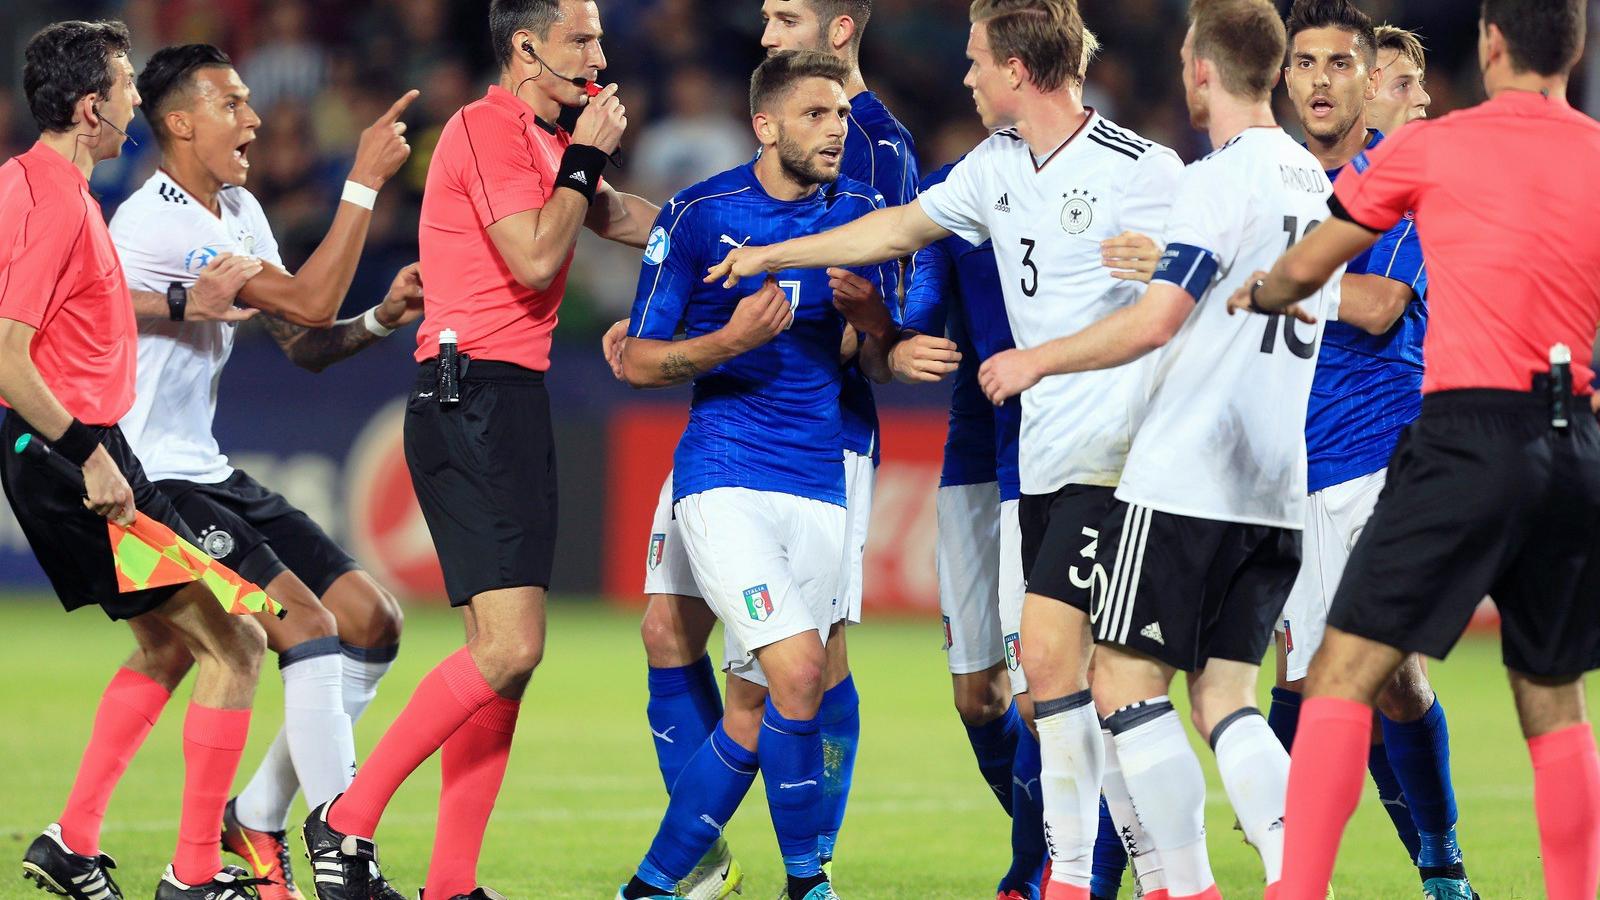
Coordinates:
[51,866]
[341,864]
[381,889]
[1448,889]
[232,883]
[717,876]
[622,896]
[823,891]
[266,854]
[483,893]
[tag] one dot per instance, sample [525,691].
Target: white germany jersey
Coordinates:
[164,235]
[1223,437]
[1047,220]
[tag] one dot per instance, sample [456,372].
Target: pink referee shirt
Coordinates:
[495,159]
[1507,200]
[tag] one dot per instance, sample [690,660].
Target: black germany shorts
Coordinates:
[1484,497]
[257,533]
[72,544]
[1059,535]
[1184,590]
[485,475]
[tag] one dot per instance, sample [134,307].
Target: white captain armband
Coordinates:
[1188,267]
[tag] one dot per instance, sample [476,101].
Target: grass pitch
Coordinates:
[582,798]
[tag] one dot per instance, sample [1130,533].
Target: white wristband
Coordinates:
[360,195]
[370,319]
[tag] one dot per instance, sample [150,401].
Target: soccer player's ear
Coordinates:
[842,32]
[1374,80]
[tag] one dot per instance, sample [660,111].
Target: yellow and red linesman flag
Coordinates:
[149,555]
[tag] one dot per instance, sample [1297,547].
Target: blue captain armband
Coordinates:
[1188,267]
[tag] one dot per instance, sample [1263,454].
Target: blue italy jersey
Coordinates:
[1368,388]
[878,150]
[955,290]
[769,419]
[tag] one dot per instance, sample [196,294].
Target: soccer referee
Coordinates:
[507,191]
[1495,490]
[67,351]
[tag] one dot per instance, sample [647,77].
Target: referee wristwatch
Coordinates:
[177,301]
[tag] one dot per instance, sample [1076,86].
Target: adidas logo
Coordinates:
[1153,632]
[1004,205]
[581,178]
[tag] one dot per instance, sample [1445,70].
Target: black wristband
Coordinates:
[77,444]
[177,301]
[580,170]
[1255,306]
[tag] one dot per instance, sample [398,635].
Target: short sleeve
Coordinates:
[932,271]
[266,242]
[500,173]
[1379,186]
[33,259]
[1398,255]
[671,272]
[954,204]
[1148,193]
[1204,231]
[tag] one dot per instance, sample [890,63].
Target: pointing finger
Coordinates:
[399,107]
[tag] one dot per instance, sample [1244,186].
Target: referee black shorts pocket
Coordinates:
[484,471]
[72,544]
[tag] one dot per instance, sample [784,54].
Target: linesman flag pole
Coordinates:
[149,555]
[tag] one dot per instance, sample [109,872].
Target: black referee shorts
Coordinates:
[257,533]
[1060,534]
[72,544]
[485,475]
[1484,497]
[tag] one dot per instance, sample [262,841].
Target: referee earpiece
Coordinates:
[527,47]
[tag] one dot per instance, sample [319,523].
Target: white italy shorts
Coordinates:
[667,569]
[860,477]
[1334,519]
[768,564]
[980,580]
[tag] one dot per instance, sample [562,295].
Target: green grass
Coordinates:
[583,796]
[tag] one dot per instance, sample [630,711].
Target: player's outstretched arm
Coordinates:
[210,298]
[315,349]
[312,296]
[879,236]
[1116,340]
[758,318]
[1307,266]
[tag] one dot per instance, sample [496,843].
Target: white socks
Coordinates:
[1255,772]
[1071,753]
[1142,854]
[1167,786]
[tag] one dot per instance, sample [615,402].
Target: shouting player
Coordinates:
[1046,189]
[1495,489]
[758,479]
[341,630]
[1402,96]
[1367,389]
[67,360]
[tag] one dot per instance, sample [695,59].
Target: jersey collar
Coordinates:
[507,101]
[55,162]
[1038,166]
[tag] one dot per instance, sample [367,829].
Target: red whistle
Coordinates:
[592,89]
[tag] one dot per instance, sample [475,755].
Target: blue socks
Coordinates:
[1420,754]
[1284,716]
[684,706]
[840,720]
[1110,857]
[790,754]
[1393,798]
[1028,850]
[707,793]
[995,745]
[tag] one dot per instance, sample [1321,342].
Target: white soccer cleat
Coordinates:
[716,877]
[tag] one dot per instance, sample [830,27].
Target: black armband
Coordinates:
[580,170]
[77,443]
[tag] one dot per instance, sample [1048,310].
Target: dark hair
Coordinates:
[1047,35]
[1246,41]
[1340,14]
[1544,36]
[168,76]
[780,72]
[830,10]
[66,61]
[507,17]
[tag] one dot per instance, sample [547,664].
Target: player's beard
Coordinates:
[802,166]
[1333,132]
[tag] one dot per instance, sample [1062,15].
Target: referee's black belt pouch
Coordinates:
[485,371]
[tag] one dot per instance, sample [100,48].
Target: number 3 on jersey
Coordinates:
[1030,281]
[1275,322]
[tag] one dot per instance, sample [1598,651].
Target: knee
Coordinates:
[1209,708]
[165,663]
[386,623]
[979,700]
[665,645]
[797,692]
[1407,696]
[514,656]
[242,646]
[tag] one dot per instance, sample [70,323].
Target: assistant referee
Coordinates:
[1495,490]
[507,191]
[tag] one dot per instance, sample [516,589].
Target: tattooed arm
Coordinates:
[315,349]
[758,318]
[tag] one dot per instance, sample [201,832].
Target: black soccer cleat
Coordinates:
[342,864]
[232,883]
[51,866]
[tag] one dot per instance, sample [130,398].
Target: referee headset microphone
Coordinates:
[590,87]
[108,123]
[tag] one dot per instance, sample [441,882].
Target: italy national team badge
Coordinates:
[658,546]
[1288,637]
[1013,651]
[758,601]
[1077,214]
[949,636]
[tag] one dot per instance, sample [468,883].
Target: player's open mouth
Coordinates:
[831,154]
[1321,106]
[241,154]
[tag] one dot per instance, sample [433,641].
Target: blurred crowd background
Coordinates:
[321,70]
